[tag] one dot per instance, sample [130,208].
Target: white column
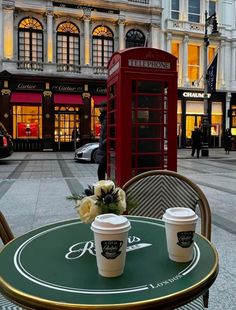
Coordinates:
[49,36]
[222,65]
[87,19]
[154,35]
[121,23]
[168,42]
[233,65]
[8,33]
[185,60]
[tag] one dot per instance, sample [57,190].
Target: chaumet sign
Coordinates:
[187,94]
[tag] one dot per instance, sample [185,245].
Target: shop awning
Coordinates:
[26,97]
[99,99]
[68,99]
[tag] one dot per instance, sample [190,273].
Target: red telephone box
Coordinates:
[141,112]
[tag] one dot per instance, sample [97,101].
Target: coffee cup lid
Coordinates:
[110,222]
[179,215]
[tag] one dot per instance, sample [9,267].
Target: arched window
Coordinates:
[30,42]
[103,46]
[68,42]
[134,38]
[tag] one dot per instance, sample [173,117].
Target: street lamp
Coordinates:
[205,120]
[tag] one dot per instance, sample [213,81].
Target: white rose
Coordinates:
[122,200]
[105,185]
[87,209]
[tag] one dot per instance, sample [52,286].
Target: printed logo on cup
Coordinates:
[111,248]
[185,238]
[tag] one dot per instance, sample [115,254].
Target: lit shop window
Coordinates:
[103,46]
[216,118]
[27,122]
[211,54]
[175,52]
[95,123]
[233,108]
[65,121]
[193,63]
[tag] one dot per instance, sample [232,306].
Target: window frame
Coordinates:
[192,14]
[68,35]
[100,59]
[137,42]
[30,30]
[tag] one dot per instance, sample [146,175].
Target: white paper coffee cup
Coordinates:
[180,225]
[110,236]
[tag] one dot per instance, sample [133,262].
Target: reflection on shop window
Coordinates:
[65,121]
[215,129]
[234,117]
[216,118]
[27,122]
[95,123]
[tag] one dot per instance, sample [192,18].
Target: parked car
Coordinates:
[87,152]
[6,144]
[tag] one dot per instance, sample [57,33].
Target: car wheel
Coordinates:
[93,155]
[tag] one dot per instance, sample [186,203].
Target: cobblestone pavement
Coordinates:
[34,187]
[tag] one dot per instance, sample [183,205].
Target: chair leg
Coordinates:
[206,299]
[6,233]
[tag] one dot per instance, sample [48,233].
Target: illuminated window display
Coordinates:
[193,63]
[95,123]
[66,120]
[27,122]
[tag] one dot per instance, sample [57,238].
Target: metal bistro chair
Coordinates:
[6,235]
[156,190]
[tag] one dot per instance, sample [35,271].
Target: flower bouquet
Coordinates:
[102,197]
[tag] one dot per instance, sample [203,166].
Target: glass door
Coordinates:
[192,121]
[66,128]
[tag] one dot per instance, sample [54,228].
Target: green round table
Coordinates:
[54,267]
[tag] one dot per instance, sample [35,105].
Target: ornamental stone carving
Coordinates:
[8,4]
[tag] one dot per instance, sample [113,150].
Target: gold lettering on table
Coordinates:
[165,282]
[79,249]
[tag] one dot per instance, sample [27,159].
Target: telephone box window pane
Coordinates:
[144,131]
[112,132]
[150,102]
[149,146]
[112,104]
[149,161]
[150,87]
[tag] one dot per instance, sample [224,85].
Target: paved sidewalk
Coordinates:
[34,187]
